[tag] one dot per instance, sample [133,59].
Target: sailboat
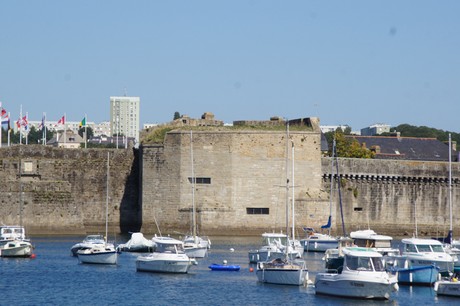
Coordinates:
[319,242]
[13,241]
[283,271]
[295,243]
[195,246]
[104,253]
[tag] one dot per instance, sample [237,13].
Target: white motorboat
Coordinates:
[169,257]
[363,276]
[273,247]
[16,248]
[284,270]
[450,286]
[99,254]
[137,243]
[87,243]
[11,232]
[370,239]
[421,261]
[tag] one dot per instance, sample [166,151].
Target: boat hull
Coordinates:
[196,252]
[18,251]
[355,286]
[318,245]
[107,258]
[282,274]
[423,275]
[450,288]
[162,265]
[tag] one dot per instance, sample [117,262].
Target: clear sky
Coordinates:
[346,62]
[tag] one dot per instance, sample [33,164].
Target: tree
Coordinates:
[176,115]
[348,147]
[89,132]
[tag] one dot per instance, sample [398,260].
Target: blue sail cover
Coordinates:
[328,225]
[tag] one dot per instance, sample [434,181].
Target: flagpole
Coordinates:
[1,125]
[65,134]
[86,135]
[9,128]
[44,123]
[27,135]
[20,126]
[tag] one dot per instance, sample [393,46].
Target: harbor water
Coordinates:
[54,277]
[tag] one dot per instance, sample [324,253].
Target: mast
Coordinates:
[287,187]
[340,194]
[107,199]
[450,189]
[293,194]
[193,188]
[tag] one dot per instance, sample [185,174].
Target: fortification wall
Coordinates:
[64,190]
[395,197]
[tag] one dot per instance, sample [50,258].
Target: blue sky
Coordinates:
[346,62]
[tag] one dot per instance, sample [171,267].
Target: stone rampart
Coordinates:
[64,190]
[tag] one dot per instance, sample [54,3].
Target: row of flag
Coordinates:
[23,122]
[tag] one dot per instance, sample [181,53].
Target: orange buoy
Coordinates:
[33,256]
[251,269]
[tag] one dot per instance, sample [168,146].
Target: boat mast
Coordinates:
[287,187]
[293,193]
[193,188]
[450,189]
[107,200]
[340,193]
[332,183]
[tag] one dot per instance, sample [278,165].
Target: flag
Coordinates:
[5,119]
[82,123]
[42,125]
[62,120]
[3,112]
[24,122]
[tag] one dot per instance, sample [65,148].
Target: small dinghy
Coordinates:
[224,267]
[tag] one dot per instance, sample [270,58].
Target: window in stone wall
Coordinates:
[358,209]
[257,211]
[200,180]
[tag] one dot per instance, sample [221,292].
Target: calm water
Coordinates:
[56,278]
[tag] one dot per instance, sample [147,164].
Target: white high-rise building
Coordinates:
[124,116]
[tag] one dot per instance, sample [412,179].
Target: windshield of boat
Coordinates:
[364,263]
[437,248]
[424,248]
[274,240]
[167,248]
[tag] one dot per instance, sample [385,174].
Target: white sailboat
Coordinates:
[283,271]
[105,253]
[319,242]
[195,246]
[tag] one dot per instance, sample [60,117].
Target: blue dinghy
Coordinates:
[217,267]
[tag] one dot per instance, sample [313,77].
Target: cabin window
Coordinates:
[200,180]
[257,211]
[411,248]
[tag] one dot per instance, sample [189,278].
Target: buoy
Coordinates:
[232,249]
[33,256]
[224,262]
[251,269]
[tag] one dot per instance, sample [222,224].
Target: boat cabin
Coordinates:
[12,232]
[168,245]
[274,239]
[422,246]
[363,259]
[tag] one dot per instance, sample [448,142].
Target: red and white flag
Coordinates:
[62,120]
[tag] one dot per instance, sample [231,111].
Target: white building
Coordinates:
[124,116]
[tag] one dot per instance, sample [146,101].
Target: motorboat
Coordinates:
[169,257]
[105,253]
[363,276]
[16,248]
[87,243]
[334,258]
[318,242]
[11,232]
[449,286]
[421,261]
[379,243]
[137,243]
[273,247]
[282,272]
